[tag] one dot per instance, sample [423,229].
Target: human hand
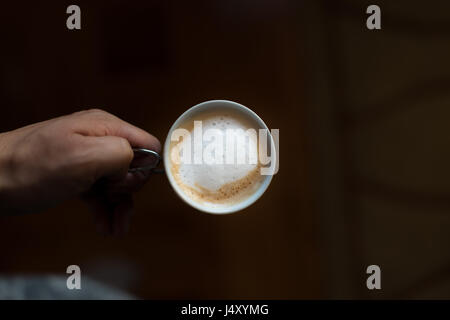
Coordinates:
[87,153]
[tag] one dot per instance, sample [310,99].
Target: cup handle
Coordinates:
[148,153]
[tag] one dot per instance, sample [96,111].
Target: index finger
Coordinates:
[100,123]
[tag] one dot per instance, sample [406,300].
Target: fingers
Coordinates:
[100,123]
[108,142]
[109,157]
[111,140]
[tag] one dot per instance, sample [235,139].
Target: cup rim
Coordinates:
[214,210]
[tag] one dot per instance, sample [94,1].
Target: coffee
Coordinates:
[214,157]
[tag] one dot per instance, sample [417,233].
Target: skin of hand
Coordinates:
[87,153]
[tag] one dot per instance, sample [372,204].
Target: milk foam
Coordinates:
[226,182]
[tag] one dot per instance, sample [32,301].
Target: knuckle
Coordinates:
[94,112]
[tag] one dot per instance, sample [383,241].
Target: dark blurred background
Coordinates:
[364,139]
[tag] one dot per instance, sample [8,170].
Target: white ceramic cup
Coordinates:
[209,106]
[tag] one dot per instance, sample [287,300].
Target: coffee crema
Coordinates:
[234,175]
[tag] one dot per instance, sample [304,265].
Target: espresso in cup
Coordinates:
[212,157]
